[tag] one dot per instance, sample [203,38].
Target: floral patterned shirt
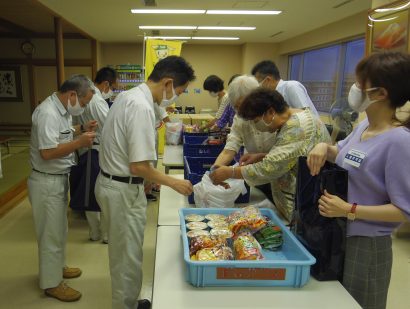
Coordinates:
[279,167]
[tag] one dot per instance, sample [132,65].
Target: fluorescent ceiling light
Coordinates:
[393,9]
[213,38]
[169,27]
[379,20]
[157,11]
[225,28]
[169,37]
[241,12]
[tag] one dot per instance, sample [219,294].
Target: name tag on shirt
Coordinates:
[354,158]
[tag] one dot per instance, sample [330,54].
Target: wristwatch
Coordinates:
[352,214]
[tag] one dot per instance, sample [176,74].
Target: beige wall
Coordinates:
[121,53]
[253,53]
[45,77]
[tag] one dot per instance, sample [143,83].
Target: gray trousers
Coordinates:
[124,206]
[48,196]
[367,270]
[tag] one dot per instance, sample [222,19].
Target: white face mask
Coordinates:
[262,126]
[213,94]
[75,110]
[356,100]
[167,102]
[263,80]
[107,95]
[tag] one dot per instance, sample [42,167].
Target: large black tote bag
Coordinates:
[325,238]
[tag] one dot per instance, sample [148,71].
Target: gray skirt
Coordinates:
[367,270]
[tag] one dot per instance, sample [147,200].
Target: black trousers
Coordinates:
[78,183]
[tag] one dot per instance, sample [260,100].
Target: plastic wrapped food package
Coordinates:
[270,237]
[221,232]
[218,224]
[196,233]
[202,242]
[246,218]
[196,226]
[215,217]
[246,247]
[194,218]
[220,252]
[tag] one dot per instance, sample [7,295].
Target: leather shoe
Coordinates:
[71,272]
[144,304]
[63,292]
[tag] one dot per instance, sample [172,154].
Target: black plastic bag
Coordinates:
[325,238]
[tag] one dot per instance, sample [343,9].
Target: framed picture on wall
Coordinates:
[388,28]
[10,84]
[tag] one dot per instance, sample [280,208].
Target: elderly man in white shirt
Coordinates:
[52,155]
[126,152]
[84,174]
[294,93]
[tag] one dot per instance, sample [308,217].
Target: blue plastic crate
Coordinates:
[195,168]
[289,266]
[193,147]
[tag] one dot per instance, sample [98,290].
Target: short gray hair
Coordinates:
[240,87]
[78,83]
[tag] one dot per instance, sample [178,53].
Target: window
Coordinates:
[327,73]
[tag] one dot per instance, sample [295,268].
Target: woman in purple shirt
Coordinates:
[377,156]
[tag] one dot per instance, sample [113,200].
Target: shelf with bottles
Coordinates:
[129,76]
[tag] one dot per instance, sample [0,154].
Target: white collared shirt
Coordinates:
[129,132]
[160,114]
[244,133]
[51,126]
[295,94]
[97,109]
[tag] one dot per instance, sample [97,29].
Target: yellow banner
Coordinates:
[155,50]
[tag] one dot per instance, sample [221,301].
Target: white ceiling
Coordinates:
[112,21]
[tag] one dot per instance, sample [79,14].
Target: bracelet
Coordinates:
[233,172]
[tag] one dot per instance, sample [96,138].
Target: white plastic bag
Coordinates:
[173,132]
[208,195]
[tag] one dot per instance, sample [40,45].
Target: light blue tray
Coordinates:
[289,266]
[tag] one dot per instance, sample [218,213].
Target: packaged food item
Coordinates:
[212,217]
[246,218]
[194,218]
[196,233]
[221,232]
[246,247]
[220,252]
[196,226]
[270,237]
[217,224]
[202,242]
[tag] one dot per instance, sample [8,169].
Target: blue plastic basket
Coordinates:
[192,147]
[195,168]
[290,266]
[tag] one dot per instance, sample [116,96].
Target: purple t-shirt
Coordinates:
[379,173]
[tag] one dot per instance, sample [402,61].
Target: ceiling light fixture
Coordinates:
[214,38]
[379,20]
[393,9]
[158,11]
[169,27]
[225,28]
[241,12]
[169,37]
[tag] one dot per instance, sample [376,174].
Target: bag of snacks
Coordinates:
[270,237]
[246,247]
[202,242]
[246,218]
[219,252]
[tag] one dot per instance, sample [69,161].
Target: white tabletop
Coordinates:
[171,291]
[173,156]
[171,201]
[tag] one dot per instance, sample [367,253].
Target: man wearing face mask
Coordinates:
[215,86]
[126,152]
[294,93]
[97,110]
[52,154]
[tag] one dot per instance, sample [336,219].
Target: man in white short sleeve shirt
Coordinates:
[126,151]
[52,154]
